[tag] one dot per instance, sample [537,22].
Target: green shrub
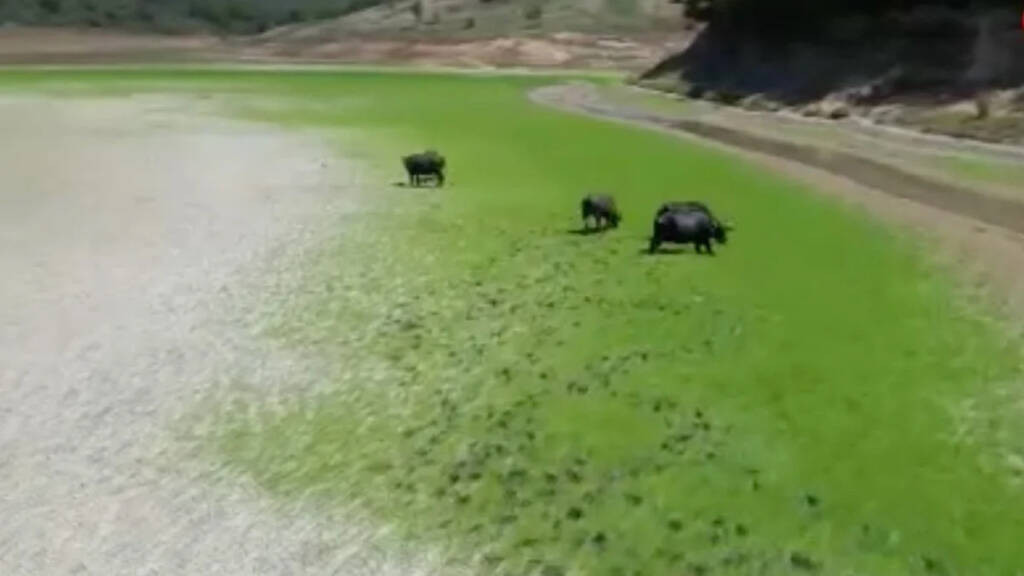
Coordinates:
[145,14]
[533,12]
[50,6]
[208,12]
[239,11]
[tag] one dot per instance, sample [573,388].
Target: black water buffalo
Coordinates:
[426,165]
[693,206]
[602,209]
[695,227]
[688,206]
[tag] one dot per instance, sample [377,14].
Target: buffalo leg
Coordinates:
[655,243]
[707,248]
[440,179]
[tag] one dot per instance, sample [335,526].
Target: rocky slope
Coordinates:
[944,70]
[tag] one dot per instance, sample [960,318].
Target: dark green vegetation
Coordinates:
[237,16]
[800,17]
[447,17]
[862,53]
[813,399]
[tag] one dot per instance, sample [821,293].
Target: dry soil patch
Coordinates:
[137,241]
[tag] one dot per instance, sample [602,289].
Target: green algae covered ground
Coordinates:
[815,398]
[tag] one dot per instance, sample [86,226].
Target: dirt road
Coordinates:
[136,241]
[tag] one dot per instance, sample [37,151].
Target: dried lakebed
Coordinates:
[136,239]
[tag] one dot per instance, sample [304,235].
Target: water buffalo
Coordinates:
[429,164]
[688,206]
[695,227]
[692,206]
[602,209]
